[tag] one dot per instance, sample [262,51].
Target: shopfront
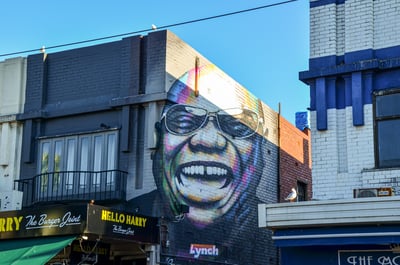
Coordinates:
[77,234]
[363,231]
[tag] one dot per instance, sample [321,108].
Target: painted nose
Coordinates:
[209,138]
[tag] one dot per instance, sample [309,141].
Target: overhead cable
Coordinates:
[149,29]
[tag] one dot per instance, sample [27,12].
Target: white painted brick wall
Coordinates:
[341,143]
[343,156]
[340,30]
[353,26]
[323,31]
[387,23]
[358,25]
[12,96]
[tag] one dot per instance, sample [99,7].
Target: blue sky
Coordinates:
[264,50]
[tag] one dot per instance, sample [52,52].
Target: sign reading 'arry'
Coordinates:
[42,222]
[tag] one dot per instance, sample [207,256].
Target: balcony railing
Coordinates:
[64,186]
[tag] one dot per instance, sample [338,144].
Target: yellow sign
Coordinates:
[122,218]
[9,224]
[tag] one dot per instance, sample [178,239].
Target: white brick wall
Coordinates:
[386,23]
[341,153]
[12,97]
[358,25]
[323,31]
[353,26]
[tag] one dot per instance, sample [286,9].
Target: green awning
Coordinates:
[32,251]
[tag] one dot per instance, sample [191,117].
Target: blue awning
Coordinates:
[334,236]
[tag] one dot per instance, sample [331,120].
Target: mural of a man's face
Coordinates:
[209,157]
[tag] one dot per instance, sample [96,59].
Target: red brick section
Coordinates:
[295,159]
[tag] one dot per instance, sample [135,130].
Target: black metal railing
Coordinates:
[64,186]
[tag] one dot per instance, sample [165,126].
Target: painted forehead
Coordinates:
[215,90]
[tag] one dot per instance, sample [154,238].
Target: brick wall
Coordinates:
[295,159]
[344,37]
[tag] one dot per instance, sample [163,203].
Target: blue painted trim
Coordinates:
[352,57]
[355,81]
[335,236]
[357,101]
[350,240]
[325,2]
[386,58]
[322,116]
[347,80]
[342,69]
[331,230]
[331,92]
[313,92]
[323,62]
[340,93]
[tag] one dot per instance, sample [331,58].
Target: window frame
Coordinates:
[77,142]
[382,118]
[302,191]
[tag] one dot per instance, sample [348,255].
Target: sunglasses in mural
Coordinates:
[238,123]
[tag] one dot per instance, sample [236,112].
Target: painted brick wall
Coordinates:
[354,25]
[342,35]
[124,85]
[295,159]
[12,96]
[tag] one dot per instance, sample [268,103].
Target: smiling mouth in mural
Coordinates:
[203,182]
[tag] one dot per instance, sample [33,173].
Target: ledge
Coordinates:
[360,211]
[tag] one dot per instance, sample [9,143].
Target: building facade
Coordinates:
[12,98]
[117,135]
[354,91]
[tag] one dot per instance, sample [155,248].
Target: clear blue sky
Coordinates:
[264,50]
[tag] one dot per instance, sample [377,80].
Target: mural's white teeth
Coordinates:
[201,170]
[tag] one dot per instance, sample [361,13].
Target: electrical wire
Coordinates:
[150,29]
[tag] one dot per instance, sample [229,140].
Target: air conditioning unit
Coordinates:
[372,192]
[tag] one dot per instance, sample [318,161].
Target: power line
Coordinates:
[150,29]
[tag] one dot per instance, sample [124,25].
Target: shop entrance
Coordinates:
[103,252]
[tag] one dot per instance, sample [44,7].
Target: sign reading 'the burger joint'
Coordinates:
[42,222]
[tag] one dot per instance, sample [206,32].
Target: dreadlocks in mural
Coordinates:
[210,158]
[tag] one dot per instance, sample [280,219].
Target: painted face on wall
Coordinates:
[209,156]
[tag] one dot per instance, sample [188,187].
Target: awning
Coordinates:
[334,236]
[32,251]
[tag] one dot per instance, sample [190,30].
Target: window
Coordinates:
[301,191]
[387,128]
[77,163]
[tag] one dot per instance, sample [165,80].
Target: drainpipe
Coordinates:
[279,153]
[152,252]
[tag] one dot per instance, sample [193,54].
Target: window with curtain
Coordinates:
[66,161]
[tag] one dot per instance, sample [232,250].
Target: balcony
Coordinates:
[73,186]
